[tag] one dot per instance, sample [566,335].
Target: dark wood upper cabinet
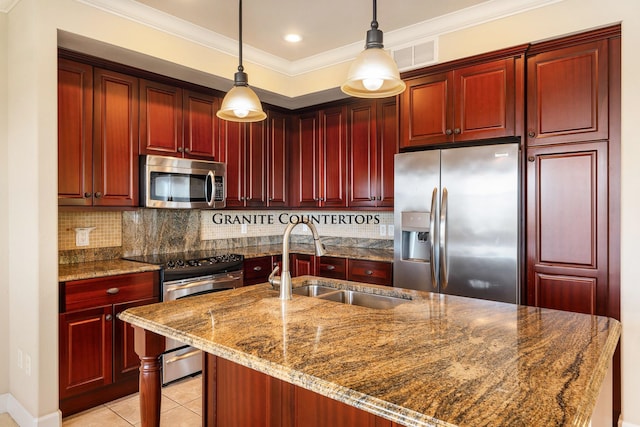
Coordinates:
[115,139]
[372,144]
[177,122]
[305,164]
[277,149]
[333,157]
[200,125]
[318,169]
[160,119]
[242,146]
[567,94]
[464,104]
[75,133]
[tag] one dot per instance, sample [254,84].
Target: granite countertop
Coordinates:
[437,360]
[90,270]
[371,254]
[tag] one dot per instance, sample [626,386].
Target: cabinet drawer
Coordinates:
[375,272]
[256,270]
[335,268]
[80,294]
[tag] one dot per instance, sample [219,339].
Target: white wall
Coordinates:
[32,141]
[4,244]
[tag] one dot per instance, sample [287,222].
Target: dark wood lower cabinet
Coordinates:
[97,361]
[236,396]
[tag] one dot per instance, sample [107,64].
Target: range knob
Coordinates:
[180,263]
[171,264]
[193,262]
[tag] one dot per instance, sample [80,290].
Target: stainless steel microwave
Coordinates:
[170,182]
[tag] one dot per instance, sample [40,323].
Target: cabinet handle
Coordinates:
[379,197]
[187,150]
[108,318]
[531,134]
[331,267]
[368,272]
[98,195]
[257,268]
[448,131]
[457,131]
[180,150]
[87,195]
[531,159]
[372,198]
[271,199]
[113,291]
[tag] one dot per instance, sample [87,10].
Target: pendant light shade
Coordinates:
[374,73]
[241,104]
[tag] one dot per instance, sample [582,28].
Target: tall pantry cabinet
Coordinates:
[572,167]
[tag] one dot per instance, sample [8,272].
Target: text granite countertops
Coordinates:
[438,360]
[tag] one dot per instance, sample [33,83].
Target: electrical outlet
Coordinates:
[305,228]
[20,358]
[27,365]
[243,228]
[390,229]
[383,230]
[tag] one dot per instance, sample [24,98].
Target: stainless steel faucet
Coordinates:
[284,280]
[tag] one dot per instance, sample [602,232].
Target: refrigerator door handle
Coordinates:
[444,261]
[432,236]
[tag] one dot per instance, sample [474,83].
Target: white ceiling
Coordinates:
[323,24]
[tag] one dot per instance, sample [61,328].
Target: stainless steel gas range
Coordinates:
[186,275]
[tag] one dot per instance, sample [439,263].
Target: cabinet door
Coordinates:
[567,227]
[126,362]
[115,139]
[427,111]
[277,148]
[200,125]
[160,119]
[387,121]
[375,272]
[305,151]
[485,101]
[85,352]
[257,270]
[303,265]
[363,154]
[335,268]
[232,135]
[333,157]
[567,94]
[75,119]
[255,164]
[314,410]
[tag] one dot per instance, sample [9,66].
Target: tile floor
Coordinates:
[181,407]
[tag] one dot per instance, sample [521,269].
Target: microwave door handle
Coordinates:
[208,189]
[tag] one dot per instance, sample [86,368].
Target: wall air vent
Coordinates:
[416,55]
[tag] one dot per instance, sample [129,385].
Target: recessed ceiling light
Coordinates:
[293,38]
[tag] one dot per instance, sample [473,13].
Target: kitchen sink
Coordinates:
[313,290]
[362,299]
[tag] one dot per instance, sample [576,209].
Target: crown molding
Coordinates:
[465,18]
[7,5]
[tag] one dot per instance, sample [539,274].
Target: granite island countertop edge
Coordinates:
[404,416]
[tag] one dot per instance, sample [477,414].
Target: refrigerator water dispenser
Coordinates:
[415,237]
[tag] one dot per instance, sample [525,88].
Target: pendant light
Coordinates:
[241,104]
[374,73]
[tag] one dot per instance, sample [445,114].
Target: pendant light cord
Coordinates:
[240,67]
[374,22]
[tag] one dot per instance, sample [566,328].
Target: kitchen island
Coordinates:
[436,360]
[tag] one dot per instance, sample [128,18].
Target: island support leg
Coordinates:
[149,347]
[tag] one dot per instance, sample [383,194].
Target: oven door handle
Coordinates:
[228,278]
[182,356]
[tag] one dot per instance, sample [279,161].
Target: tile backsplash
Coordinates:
[147,231]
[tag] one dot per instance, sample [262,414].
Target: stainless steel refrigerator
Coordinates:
[456,221]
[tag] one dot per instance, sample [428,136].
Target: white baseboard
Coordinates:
[24,419]
[3,402]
